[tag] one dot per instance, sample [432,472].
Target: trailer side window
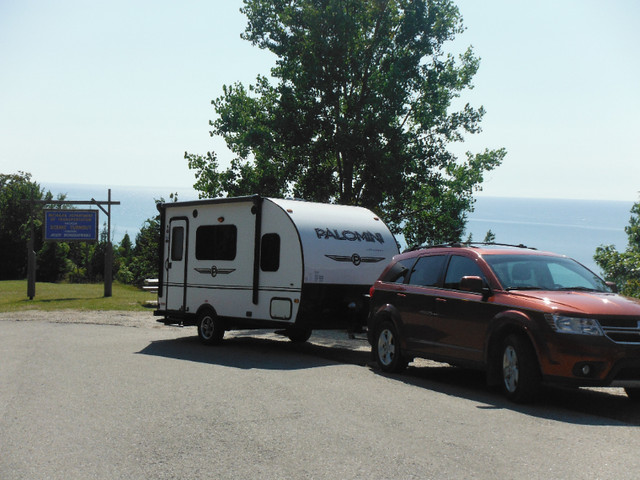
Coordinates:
[270,252]
[216,242]
[177,243]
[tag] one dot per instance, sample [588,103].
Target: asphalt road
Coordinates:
[134,399]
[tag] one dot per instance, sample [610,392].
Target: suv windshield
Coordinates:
[540,272]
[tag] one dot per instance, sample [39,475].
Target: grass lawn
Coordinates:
[63,296]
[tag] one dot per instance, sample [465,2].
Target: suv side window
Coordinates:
[399,271]
[427,271]
[461,267]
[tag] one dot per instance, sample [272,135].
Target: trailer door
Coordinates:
[176,264]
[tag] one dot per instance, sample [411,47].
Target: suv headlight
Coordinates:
[574,325]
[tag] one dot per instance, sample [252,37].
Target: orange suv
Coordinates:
[523,316]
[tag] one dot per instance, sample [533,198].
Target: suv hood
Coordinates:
[588,303]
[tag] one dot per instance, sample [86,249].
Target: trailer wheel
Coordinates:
[210,328]
[298,334]
[633,393]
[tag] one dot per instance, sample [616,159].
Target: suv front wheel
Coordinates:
[520,372]
[386,348]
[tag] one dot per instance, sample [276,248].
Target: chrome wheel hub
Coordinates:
[207,327]
[386,347]
[510,372]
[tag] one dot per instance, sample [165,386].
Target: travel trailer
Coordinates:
[256,262]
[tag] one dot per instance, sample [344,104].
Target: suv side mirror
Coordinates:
[473,284]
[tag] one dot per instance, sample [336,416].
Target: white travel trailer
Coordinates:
[255,262]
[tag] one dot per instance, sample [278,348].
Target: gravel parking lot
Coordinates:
[118,395]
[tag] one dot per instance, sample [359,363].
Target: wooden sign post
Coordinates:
[72,226]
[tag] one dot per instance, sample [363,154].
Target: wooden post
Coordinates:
[31,260]
[108,254]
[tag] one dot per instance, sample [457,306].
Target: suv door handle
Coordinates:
[403,295]
[441,300]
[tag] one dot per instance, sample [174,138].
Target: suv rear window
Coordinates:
[399,271]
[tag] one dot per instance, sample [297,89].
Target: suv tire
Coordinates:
[519,369]
[386,349]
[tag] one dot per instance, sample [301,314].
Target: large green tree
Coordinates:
[358,111]
[623,268]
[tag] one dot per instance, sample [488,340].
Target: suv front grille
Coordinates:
[626,331]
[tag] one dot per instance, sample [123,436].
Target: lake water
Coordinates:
[570,227]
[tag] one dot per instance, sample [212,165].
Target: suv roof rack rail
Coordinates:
[467,244]
[520,245]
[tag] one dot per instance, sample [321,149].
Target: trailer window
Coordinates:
[216,242]
[270,252]
[177,243]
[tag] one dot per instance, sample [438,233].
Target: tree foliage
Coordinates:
[623,268]
[14,222]
[358,111]
[145,261]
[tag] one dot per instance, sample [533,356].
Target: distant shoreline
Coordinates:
[573,227]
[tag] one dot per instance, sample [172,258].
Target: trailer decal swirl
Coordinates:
[355,259]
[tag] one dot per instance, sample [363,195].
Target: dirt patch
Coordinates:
[99,317]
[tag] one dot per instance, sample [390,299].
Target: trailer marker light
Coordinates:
[220,219]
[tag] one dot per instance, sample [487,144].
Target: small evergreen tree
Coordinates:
[125,248]
[144,263]
[123,254]
[490,237]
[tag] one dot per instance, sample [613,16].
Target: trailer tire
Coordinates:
[298,334]
[210,328]
[633,393]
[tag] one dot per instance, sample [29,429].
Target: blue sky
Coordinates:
[113,93]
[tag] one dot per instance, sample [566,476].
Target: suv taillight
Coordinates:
[371,290]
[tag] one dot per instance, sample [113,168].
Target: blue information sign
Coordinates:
[71,225]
